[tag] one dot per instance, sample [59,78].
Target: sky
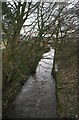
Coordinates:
[29,20]
[42,0]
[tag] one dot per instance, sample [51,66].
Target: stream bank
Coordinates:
[37,98]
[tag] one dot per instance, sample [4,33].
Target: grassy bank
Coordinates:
[17,68]
[66,78]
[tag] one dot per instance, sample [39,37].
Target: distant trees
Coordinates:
[36,21]
[52,20]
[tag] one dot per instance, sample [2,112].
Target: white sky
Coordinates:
[29,20]
[42,0]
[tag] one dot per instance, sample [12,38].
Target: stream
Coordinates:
[37,97]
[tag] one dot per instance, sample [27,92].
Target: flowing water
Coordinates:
[37,98]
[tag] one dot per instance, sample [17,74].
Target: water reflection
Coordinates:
[37,98]
[45,65]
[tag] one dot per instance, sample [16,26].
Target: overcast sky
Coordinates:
[29,20]
[43,0]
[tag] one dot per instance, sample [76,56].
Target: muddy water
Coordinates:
[37,98]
